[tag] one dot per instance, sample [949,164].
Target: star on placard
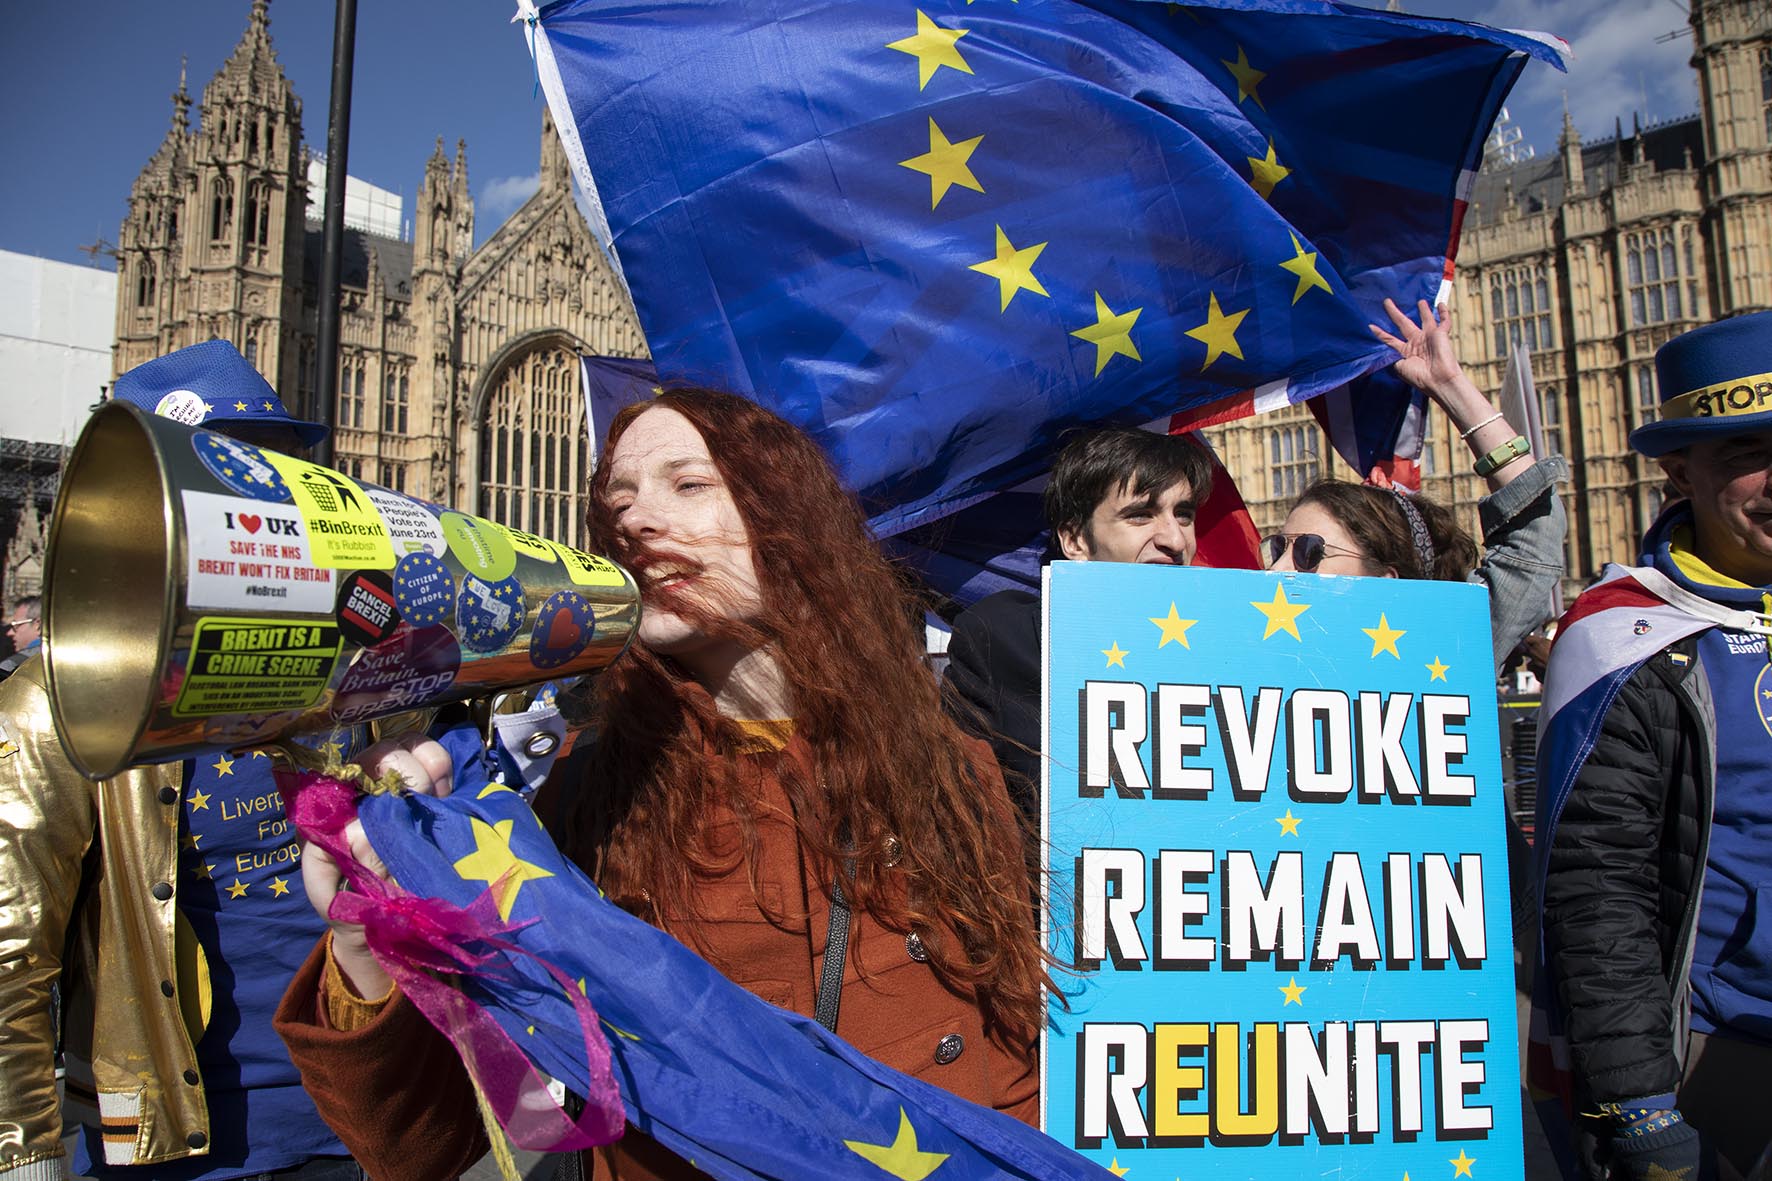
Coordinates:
[1115,655]
[199,801]
[1219,332]
[1174,627]
[1282,614]
[933,47]
[1303,263]
[945,164]
[1461,1164]
[1247,76]
[902,1158]
[237,890]
[1111,334]
[1294,992]
[279,887]
[1436,671]
[1384,637]
[223,765]
[493,862]
[1266,172]
[1118,1169]
[1288,823]
[1012,269]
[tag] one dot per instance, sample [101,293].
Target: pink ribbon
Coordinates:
[412,937]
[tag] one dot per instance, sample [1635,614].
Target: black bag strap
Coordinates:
[836,953]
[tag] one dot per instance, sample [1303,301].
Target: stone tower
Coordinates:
[1732,53]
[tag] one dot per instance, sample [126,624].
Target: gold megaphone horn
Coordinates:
[200,592]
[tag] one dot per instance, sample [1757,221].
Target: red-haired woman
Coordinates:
[772,728]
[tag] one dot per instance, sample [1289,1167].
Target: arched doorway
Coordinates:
[534,457]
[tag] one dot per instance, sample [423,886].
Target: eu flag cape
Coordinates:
[938,235]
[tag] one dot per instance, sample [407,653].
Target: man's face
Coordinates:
[1155,529]
[1729,481]
[24,629]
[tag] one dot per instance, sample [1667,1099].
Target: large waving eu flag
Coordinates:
[938,234]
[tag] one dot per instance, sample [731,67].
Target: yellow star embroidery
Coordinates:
[1118,1169]
[1294,992]
[1174,627]
[1282,614]
[279,887]
[1247,76]
[193,839]
[902,1158]
[933,47]
[266,405]
[945,164]
[493,862]
[1111,334]
[1384,637]
[1115,655]
[1436,670]
[206,872]
[237,890]
[199,801]
[1266,172]
[1461,1164]
[209,407]
[1219,332]
[223,765]
[239,406]
[1012,269]
[1288,823]
[1303,263]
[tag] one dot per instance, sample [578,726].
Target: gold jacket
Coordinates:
[131,1063]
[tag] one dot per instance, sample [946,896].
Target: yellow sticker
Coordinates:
[344,528]
[243,665]
[589,569]
[534,545]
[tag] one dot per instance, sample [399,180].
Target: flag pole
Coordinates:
[338,141]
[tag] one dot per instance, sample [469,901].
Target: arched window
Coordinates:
[252,351]
[526,481]
[144,283]
[221,208]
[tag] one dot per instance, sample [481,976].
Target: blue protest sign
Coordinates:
[1274,827]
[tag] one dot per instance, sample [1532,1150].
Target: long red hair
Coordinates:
[890,781]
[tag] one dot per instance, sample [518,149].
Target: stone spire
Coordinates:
[1569,144]
[181,102]
[461,169]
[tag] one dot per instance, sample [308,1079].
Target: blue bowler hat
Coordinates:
[1715,381]
[207,384]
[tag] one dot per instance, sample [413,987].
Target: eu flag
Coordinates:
[938,234]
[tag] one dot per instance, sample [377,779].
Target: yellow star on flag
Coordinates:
[1436,670]
[1303,263]
[1282,614]
[1174,627]
[1219,332]
[1294,992]
[223,765]
[933,47]
[199,801]
[1115,655]
[945,164]
[1461,1164]
[1266,172]
[493,862]
[1111,334]
[237,890]
[1288,823]
[207,871]
[279,887]
[1118,1169]
[1247,76]
[1384,637]
[1012,269]
[902,1158]
[239,406]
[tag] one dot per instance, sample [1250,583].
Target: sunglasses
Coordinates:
[12,623]
[1308,550]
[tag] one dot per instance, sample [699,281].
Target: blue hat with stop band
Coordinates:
[207,385]
[1715,381]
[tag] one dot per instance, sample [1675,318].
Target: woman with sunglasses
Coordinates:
[1363,529]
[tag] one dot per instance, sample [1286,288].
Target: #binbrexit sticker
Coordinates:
[488,615]
[242,467]
[344,528]
[563,627]
[424,590]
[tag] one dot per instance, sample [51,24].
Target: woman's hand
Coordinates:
[425,767]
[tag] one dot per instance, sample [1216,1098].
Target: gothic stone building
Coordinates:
[458,377]
[1591,259]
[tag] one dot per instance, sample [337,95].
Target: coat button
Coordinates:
[949,1048]
[196,1140]
[169,795]
[166,988]
[913,947]
[162,891]
[192,1077]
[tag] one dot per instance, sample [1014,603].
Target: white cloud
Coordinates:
[499,198]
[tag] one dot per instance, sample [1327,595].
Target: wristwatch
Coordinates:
[1503,455]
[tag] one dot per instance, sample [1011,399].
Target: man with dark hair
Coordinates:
[1117,494]
[25,627]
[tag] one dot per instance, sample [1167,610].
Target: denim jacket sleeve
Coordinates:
[1524,525]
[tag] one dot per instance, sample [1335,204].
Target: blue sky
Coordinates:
[85,107]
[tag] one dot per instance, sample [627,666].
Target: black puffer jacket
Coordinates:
[1621,892]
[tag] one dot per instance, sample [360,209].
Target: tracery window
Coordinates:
[534,457]
[1293,461]
[1520,309]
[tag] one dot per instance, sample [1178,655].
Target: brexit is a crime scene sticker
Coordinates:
[488,615]
[245,665]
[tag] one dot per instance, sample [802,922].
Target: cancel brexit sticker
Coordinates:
[256,666]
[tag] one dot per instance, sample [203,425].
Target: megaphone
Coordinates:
[203,593]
